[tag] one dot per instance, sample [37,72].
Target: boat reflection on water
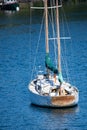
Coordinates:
[65,111]
[56,111]
[54,118]
[9,12]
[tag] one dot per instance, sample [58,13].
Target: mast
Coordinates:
[46,31]
[58,37]
[58,42]
[46,26]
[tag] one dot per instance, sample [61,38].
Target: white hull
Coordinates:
[46,101]
[59,101]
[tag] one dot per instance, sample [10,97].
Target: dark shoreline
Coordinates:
[65,1]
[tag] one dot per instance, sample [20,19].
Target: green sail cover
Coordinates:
[50,66]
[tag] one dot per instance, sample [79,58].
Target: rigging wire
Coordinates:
[55,47]
[37,47]
[67,26]
[63,59]
[30,35]
[54,34]
[52,19]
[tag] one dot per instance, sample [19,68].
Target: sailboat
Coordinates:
[50,89]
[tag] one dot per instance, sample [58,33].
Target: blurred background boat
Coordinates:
[9,5]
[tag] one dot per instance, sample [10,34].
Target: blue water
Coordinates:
[16,111]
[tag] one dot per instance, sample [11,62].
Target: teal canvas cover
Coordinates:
[50,66]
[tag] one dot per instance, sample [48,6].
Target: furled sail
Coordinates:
[50,66]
